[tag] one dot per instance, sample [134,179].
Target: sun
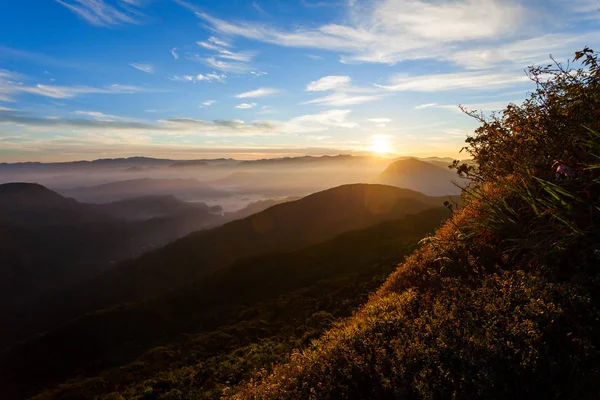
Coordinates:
[381,146]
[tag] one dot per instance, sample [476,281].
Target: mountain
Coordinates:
[421,176]
[256,207]
[185,189]
[35,204]
[273,300]
[144,208]
[284,227]
[49,242]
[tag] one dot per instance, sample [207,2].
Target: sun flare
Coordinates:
[381,146]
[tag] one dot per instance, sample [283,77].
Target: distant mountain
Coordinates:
[422,176]
[310,160]
[48,242]
[189,164]
[144,208]
[283,300]
[31,203]
[284,227]
[256,207]
[185,189]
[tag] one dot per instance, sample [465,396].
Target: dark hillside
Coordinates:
[284,227]
[278,297]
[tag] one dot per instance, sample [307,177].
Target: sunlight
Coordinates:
[381,145]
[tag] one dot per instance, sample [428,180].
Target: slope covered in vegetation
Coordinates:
[213,333]
[502,302]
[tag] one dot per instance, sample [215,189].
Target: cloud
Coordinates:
[424,106]
[258,8]
[321,121]
[100,116]
[225,66]
[149,69]
[101,13]
[208,103]
[227,54]
[331,82]
[343,100]
[225,59]
[219,41]
[246,105]
[523,52]
[11,84]
[29,121]
[379,120]
[174,53]
[171,126]
[212,77]
[257,93]
[390,31]
[455,81]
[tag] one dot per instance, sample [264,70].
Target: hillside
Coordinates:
[504,300]
[185,189]
[284,227]
[275,301]
[421,176]
[49,242]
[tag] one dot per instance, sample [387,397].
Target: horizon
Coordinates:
[175,79]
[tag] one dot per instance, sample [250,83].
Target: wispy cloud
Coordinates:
[331,82]
[258,8]
[12,83]
[147,68]
[456,81]
[246,105]
[424,106]
[208,103]
[471,33]
[174,53]
[101,13]
[211,77]
[343,100]
[100,116]
[262,92]
[224,59]
[321,121]
[392,30]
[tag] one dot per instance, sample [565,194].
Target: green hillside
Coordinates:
[503,301]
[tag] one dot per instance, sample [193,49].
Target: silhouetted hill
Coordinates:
[421,176]
[189,164]
[48,242]
[35,204]
[284,227]
[185,189]
[277,298]
[143,208]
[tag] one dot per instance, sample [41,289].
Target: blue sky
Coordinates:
[85,79]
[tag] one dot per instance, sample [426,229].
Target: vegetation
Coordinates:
[211,334]
[503,301]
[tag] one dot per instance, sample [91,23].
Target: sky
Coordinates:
[88,79]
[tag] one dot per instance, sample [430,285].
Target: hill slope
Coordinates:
[283,299]
[284,227]
[422,176]
[504,300]
[48,242]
